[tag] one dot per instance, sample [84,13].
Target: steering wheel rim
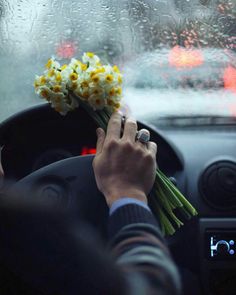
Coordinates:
[70,185]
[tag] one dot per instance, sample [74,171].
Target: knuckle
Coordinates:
[128,146]
[148,157]
[153,144]
[140,152]
[112,144]
[153,147]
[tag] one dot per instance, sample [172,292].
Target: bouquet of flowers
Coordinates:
[98,89]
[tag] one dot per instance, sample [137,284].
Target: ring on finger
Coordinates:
[143,136]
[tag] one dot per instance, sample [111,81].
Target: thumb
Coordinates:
[100,140]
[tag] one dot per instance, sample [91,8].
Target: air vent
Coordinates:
[217,185]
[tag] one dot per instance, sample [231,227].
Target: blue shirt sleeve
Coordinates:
[125,201]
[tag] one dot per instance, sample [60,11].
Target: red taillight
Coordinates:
[87,151]
[230,78]
[66,49]
[180,57]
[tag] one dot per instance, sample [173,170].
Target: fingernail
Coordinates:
[130,118]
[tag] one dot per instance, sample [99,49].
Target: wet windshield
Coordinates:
[178,57]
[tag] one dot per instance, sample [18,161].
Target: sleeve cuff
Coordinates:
[125,201]
[129,214]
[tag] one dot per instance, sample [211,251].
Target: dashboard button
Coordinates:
[227,178]
[222,247]
[231,242]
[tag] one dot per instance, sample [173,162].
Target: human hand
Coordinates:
[123,167]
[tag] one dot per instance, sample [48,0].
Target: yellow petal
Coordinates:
[116,69]
[118,90]
[51,73]
[43,80]
[83,67]
[90,54]
[73,76]
[109,78]
[58,77]
[49,64]
[95,79]
[120,79]
[64,67]
[57,88]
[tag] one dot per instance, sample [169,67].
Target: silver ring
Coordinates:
[143,136]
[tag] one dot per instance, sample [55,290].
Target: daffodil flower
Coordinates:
[90,58]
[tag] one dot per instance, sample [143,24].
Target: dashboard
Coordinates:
[201,159]
[209,157]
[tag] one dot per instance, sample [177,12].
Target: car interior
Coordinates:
[178,59]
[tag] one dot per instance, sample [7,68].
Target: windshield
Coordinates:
[178,57]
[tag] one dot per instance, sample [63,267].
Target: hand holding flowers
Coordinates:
[97,88]
[121,162]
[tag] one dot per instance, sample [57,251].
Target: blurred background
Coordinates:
[178,57]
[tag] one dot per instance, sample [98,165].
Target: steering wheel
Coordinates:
[69,183]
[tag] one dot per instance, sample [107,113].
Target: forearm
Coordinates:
[139,248]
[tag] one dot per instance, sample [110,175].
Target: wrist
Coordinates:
[115,195]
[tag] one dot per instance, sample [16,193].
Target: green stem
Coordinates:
[166,206]
[168,190]
[166,226]
[94,115]
[178,194]
[106,115]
